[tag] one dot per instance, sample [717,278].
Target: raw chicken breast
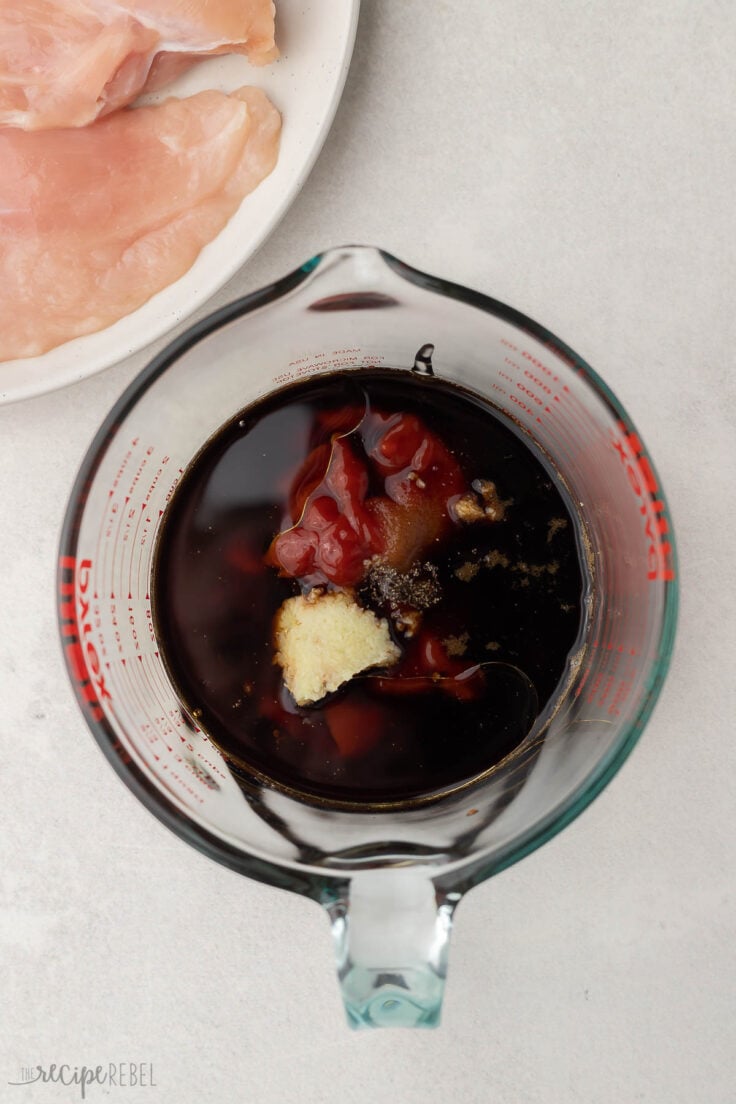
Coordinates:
[94,221]
[66,62]
[216,26]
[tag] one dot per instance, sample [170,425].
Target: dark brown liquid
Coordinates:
[511,599]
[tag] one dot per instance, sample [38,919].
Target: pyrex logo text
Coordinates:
[76,629]
[660,559]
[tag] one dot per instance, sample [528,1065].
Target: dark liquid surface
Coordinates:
[511,596]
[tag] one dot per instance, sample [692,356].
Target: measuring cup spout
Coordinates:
[391,929]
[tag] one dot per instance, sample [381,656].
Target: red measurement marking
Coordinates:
[567,436]
[165,688]
[121,685]
[152,486]
[141,562]
[213,766]
[130,704]
[538,364]
[163,699]
[121,469]
[140,469]
[156,675]
[151,708]
[98,547]
[620,697]
[521,405]
[530,393]
[643,481]
[581,425]
[539,384]
[613,683]
[120,541]
[185,785]
[138,523]
[572,397]
[174,484]
[583,680]
[197,771]
[103,584]
[133,688]
[134,548]
[548,382]
[563,356]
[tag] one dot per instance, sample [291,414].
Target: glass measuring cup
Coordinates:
[389,879]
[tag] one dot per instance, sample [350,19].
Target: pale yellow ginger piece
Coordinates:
[324,639]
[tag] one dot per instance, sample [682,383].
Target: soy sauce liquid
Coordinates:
[512,599]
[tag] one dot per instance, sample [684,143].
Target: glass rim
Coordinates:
[307,881]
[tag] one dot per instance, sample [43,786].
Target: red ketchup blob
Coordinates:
[355,727]
[337,526]
[426,667]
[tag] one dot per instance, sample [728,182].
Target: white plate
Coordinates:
[316,43]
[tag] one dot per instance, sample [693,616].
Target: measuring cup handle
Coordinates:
[391,930]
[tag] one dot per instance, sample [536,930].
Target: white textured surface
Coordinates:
[576,161]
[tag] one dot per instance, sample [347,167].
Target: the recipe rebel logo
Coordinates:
[111,1075]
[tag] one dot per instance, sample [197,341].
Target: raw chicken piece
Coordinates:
[66,62]
[63,64]
[94,221]
[216,26]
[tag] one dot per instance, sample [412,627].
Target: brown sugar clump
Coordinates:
[482,503]
[467,572]
[495,558]
[457,645]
